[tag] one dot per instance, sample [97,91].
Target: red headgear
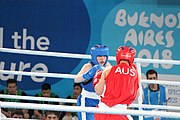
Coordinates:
[125,53]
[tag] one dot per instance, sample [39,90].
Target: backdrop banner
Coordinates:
[152,27]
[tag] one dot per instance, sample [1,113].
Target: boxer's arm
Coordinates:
[99,87]
[90,74]
[97,77]
[79,77]
[87,72]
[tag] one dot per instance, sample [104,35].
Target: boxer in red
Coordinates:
[118,85]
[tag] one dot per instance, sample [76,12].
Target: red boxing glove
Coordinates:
[97,77]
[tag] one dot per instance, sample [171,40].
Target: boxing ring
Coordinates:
[133,112]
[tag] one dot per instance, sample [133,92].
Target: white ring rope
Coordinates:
[74,101]
[59,75]
[54,75]
[62,100]
[160,82]
[43,53]
[82,56]
[89,109]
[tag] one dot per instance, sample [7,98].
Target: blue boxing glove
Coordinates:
[90,74]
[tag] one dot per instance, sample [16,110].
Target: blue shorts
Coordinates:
[86,102]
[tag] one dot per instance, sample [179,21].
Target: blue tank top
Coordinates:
[155,98]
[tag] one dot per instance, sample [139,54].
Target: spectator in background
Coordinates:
[45,92]
[12,89]
[154,94]
[70,115]
[51,115]
[76,93]
[88,97]
[16,113]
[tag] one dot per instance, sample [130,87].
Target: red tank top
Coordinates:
[121,85]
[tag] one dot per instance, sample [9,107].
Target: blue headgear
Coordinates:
[99,50]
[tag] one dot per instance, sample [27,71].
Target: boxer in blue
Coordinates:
[88,97]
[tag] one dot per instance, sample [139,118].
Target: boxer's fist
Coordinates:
[97,77]
[90,74]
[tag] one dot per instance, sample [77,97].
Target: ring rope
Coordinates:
[54,75]
[62,100]
[160,82]
[89,109]
[82,56]
[43,53]
[59,75]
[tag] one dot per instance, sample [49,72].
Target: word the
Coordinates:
[20,41]
[26,41]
